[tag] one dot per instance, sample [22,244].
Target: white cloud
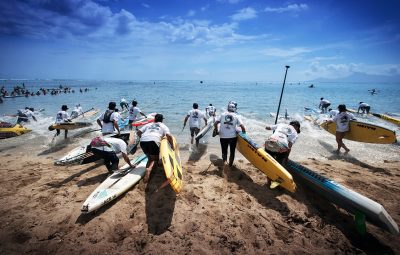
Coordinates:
[204,8]
[145,5]
[191,13]
[230,1]
[289,8]
[285,53]
[244,14]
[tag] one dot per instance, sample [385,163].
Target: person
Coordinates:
[210,111]
[279,144]
[76,111]
[323,105]
[194,117]
[342,121]
[107,148]
[62,117]
[124,104]
[150,139]
[24,115]
[364,107]
[108,121]
[332,113]
[229,121]
[133,113]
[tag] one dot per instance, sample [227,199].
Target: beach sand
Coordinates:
[218,212]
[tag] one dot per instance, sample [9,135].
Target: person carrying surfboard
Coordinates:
[280,143]
[62,117]
[210,110]
[133,113]
[342,121]
[150,139]
[24,115]
[323,105]
[194,117]
[107,148]
[108,121]
[229,121]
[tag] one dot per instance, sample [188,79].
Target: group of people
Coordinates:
[23,91]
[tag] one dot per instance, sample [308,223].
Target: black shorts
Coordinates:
[194,131]
[150,148]
[278,156]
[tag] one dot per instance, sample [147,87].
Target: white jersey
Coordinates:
[194,118]
[153,132]
[342,121]
[62,116]
[134,112]
[229,121]
[28,113]
[117,145]
[323,102]
[279,140]
[108,126]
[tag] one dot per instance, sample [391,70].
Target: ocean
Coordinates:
[256,101]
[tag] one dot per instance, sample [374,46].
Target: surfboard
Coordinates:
[8,130]
[69,125]
[387,118]
[82,155]
[205,129]
[172,164]
[364,132]
[144,121]
[348,199]
[256,155]
[116,184]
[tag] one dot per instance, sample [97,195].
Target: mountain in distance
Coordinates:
[362,78]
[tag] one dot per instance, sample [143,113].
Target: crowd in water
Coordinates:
[22,91]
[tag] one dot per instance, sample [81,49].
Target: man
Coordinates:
[133,113]
[342,121]
[108,121]
[364,107]
[107,148]
[323,105]
[194,117]
[76,111]
[124,104]
[62,117]
[210,111]
[229,120]
[24,115]
[150,139]
[280,143]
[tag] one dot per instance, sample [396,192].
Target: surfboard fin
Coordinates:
[275,183]
[359,219]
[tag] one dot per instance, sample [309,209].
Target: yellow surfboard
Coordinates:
[265,162]
[8,130]
[381,116]
[172,164]
[364,132]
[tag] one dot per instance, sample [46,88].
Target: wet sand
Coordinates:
[220,211]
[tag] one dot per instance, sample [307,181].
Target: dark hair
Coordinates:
[158,118]
[210,104]
[112,105]
[134,103]
[322,98]
[295,123]
[361,102]
[64,107]
[116,110]
[342,108]
[195,106]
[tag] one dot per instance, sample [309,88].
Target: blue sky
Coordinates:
[232,40]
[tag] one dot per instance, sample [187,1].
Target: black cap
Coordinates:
[158,118]
[342,108]
[64,107]
[112,105]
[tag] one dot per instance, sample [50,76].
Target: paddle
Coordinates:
[280,99]
[126,171]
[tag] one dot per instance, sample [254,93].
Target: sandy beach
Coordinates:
[218,212]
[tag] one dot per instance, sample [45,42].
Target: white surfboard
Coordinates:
[204,130]
[116,184]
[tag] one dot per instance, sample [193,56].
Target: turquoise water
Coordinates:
[174,98]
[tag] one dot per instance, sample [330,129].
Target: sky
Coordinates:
[227,40]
